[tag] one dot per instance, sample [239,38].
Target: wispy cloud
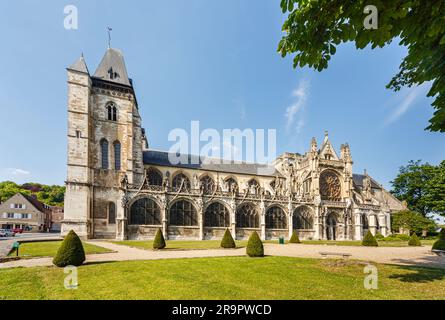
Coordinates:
[294,112]
[406,101]
[18,172]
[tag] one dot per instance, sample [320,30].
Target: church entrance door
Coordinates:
[331,227]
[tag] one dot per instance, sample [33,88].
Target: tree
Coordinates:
[369,240]
[412,185]
[294,238]
[255,246]
[227,240]
[440,244]
[159,241]
[412,221]
[314,29]
[71,252]
[50,195]
[414,241]
[435,196]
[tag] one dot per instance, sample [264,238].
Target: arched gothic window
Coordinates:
[276,218]
[154,177]
[330,187]
[207,184]
[112,111]
[183,213]
[302,219]
[104,153]
[117,155]
[111,213]
[181,180]
[217,215]
[145,212]
[247,216]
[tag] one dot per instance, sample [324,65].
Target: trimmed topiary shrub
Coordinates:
[379,236]
[227,241]
[255,246]
[414,241]
[71,252]
[159,241]
[440,244]
[294,238]
[369,240]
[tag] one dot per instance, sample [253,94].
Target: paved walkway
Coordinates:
[420,256]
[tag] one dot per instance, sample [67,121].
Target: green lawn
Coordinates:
[49,249]
[179,244]
[359,243]
[224,279]
[215,244]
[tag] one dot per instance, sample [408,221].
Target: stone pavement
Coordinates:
[5,247]
[419,256]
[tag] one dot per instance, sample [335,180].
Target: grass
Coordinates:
[224,279]
[49,249]
[215,244]
[359,243]
[179,244]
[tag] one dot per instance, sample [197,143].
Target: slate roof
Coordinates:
[161,158]
[358,181]
[112,68]
[79,66]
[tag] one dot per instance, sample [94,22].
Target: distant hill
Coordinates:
[50,195]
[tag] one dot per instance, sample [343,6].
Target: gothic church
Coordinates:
[119,188]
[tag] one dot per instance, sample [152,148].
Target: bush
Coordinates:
[159,241]
[294,238]
[379,236]
[440,244]
[227,240]
[71,252]
[255,246]
[369,240]
[414,241]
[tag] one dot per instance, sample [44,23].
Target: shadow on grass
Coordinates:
[91,263]
[419,275]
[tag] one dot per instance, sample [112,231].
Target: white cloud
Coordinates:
[18,172]
[300,94]
[407,101]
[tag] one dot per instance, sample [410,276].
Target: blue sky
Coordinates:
[212,61]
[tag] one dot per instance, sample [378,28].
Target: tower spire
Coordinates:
[109,29]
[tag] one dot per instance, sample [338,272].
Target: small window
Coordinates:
[112,111]
[104,153]
[117,155]
[78,134]
[111,213]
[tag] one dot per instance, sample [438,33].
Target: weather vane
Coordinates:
[109,36]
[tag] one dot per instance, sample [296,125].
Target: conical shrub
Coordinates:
[294,238]
[440,244]
[369,240]
[227,240]
[255,246]
[159,241]
[71,252]
[414,241]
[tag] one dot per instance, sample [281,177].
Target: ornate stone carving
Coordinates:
[330,187]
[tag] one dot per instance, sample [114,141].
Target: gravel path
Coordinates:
[420,256]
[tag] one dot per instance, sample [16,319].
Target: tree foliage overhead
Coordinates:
[50,195]
[422,186]
[315,28]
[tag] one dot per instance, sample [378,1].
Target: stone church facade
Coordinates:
[119,188]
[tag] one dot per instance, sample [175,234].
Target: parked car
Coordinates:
[17,230]
[6,233]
